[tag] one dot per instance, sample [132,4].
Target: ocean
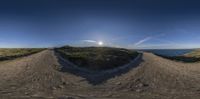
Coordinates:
[168,52]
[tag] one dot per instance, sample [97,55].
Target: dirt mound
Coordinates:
[43,75]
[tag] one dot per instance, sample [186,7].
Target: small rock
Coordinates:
[107,59]
[137,80]
[26,93]
[64,83]
[35,95]
[118,83]
[138,90]
[60,86]
[140,85]
[50,97]
[108,95]
[145,85]
[13,87]
[66,97]
[54,88]
[63,79]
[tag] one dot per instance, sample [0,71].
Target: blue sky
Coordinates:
[119,23]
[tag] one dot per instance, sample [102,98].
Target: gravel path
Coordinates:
[42,76]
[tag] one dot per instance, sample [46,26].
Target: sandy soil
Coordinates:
[45,75]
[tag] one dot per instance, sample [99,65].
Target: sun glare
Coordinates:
[100,43]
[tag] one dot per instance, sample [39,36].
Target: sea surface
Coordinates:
[169,52]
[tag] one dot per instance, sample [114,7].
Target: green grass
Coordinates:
[97,58]
[11,53]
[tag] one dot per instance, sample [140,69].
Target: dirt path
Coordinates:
[41,76]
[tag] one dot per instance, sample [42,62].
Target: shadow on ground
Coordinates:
[100,77]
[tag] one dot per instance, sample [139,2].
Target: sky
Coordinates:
[136,24]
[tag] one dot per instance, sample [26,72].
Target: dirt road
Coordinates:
[44,75]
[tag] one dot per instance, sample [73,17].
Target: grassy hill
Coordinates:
[97,58]
[195,53]
[11,53]
[193,56]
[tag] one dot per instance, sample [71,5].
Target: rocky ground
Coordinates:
[45,75]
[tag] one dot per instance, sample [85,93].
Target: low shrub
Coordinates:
[97,58]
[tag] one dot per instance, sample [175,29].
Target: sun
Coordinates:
[100,43]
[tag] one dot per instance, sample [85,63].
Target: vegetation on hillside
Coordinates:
[97,58]
[195,53]
[193,56]
[11,53]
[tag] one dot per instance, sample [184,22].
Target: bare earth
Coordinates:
[44,75]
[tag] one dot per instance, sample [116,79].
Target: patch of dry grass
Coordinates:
[11,53]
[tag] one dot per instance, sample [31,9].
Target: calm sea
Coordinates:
[169,52]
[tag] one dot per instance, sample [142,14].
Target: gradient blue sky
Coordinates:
[118,23]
